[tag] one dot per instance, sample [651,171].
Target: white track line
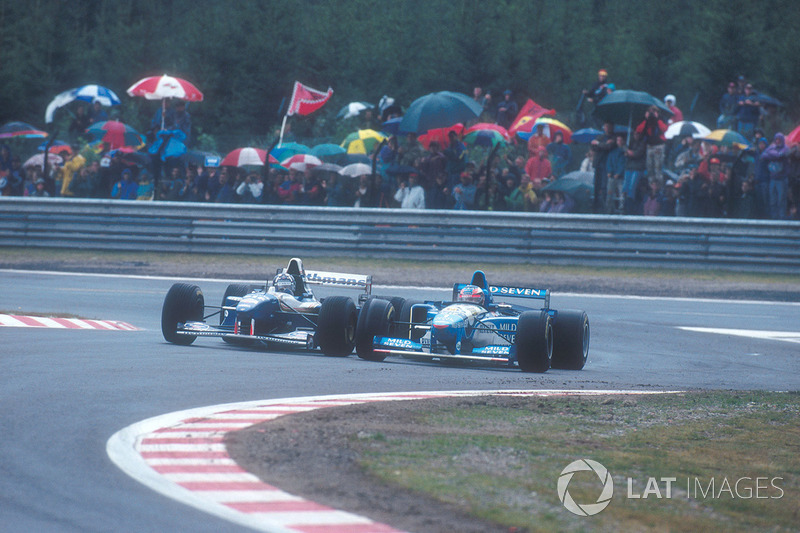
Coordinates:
[167,455]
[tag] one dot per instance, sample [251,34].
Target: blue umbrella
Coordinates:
[287,150]
[439,110]
[328,151]
[392,126]
[585,135]
[628,107]
[87,93]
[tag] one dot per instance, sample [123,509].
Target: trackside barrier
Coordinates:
[428,235]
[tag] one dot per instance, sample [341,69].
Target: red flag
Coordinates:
[306,100]
[530,109]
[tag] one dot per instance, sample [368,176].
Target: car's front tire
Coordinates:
[570,340]
[183,303]
[534,341]
[336,326]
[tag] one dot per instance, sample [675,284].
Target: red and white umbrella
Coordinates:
[160,87]
[301,162]
[245,156]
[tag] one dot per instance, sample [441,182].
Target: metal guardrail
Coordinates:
[431,235]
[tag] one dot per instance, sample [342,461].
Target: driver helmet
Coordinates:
[472,294]
[284,283]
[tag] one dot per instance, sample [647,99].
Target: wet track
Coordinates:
[65,392]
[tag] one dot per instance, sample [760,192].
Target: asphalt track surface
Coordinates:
[65,391]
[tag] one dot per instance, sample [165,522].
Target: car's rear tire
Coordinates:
[570,340]
[375,319]
[534,341]
[336,326]
[183,303]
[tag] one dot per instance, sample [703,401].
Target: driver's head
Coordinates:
[472,294]
[284,283]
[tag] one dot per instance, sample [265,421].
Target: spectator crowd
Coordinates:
[636,172]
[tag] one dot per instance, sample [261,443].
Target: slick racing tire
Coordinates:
[183,303]
[404,320]
[397,303]
[570,340]
[336,326]
[234,289]
[375,319]
[534,341]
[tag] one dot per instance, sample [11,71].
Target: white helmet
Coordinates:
[669,98]
[284,283]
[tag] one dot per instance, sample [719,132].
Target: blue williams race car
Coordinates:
[283,312]
[477,326]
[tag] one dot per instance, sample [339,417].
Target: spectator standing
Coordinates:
[507,110]
[225,194]
[777,157]
[653,128]
[79,123]
[411,195]
[537,140]
[251,190]
[748,113]
[183,121]
[40,190]
[677,114]
[337,194]
[761,180]
[438,196]
[615,174]
[559,154]
[71,166]
[599,90]
[464,193]
[98,114]
[635,165]
[456,159]
[538,168]
[363,192]
[728,108]
[601,147]
[523,197]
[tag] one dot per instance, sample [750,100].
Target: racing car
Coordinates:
[475,327]
[281,312]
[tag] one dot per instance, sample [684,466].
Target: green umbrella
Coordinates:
[628,107]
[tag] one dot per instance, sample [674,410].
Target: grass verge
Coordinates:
[501,459]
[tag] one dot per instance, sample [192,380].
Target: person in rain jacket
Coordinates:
[777,156]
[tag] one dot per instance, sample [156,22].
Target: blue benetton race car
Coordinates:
[281,312]
[477,326]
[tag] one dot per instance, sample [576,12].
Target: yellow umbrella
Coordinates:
[362,141]
[728,138]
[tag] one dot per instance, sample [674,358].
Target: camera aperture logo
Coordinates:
[585,509]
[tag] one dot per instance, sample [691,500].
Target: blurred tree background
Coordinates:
[245,55]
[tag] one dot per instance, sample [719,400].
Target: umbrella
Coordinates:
[728,138]
[21,130]
[282,151]
[301,162]
[628,107]
[580,187]
[327,167]
[482,126]
[764,99]
[37,160]
[551,126]
[686,128]
[244,157]
[353,109]
[115,134]
[585,135]
[439,110]
[440,135]
[362,141]
[162,87]
[349,159]
[130,157]
[392,126]
[87,93]
[328,151]
[57,147]
[794,136]
[486,138]
[202,158]
[355,170]
[401,169]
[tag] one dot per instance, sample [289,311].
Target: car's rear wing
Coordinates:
[513,292]
[336,279]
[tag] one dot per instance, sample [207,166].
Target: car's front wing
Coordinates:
[407,347]
[300,338]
